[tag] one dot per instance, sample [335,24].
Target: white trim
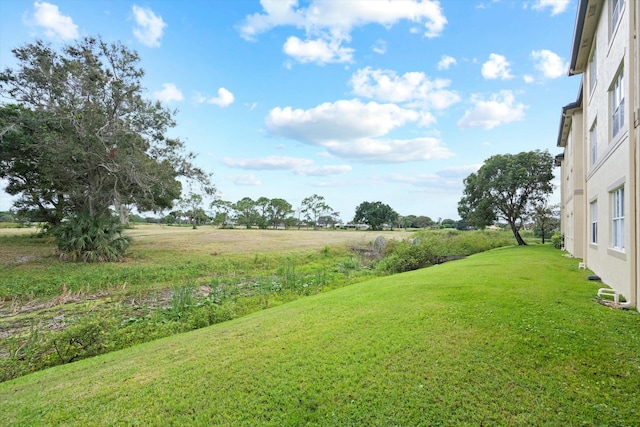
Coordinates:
[617,219]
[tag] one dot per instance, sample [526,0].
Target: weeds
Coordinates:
[435,247]
[238,288]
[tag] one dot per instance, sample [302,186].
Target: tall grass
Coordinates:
[430,247]
[203,293]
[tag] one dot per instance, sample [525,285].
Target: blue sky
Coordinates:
[367,100]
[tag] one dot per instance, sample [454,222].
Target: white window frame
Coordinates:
[616,12]
[617,104]
[594,222]
[617,218]
[593,140]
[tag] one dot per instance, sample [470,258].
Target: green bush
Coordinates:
[86,339]
[557,240]
[87,239]
[24,355]
[406,255]
[430,247]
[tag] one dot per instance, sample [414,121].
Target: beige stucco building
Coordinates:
[600,135]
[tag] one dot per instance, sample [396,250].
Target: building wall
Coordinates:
[575,188]
[612,168]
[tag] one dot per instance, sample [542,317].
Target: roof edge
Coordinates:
[577,35]
[575,105]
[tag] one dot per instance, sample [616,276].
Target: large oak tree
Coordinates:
[375,215]
[508,187]
[78,139]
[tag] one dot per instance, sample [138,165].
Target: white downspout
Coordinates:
[634,134]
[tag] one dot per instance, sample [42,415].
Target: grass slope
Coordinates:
[508,337]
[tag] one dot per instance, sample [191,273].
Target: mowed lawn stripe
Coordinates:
[509,337]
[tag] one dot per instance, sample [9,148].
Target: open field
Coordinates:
[32,270]
[175,279]
[489,340]
[242,241]
[205,240]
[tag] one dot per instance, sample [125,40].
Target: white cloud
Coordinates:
[224,98]
[426,119]
[445,180]
[328,170]
[370,150]
[549,63]
[168,93]
[330,15]
[556,6]
[446,62]
[346,119]
[458,172]
[298,165]
[328,23]
[318,51]
[426,182]
[268,163]
[413,87]
[149,28]
[497,67]
[380,47]
[351,129]
[245,179]
[499,109]
[48,15]
[528,78]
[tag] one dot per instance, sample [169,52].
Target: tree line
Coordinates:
[313,212]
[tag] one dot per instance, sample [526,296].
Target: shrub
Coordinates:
[87,239]
[434,247]
[557,240]
[85,339]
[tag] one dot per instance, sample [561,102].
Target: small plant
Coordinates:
[24,355]
[557,240]
[181,301]
[85,339]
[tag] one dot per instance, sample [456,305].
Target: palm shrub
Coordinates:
[91,239]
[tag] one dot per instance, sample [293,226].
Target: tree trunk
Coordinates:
[516,234]
[122,210]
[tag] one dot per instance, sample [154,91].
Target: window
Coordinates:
[593,65]
[594,222]
[617,105]
[593,137]
[617,219]
[616,11]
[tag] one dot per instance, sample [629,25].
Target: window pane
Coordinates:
[617,218]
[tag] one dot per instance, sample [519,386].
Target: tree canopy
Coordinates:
[78,138]
[508,187]
[313,207]
[375,214]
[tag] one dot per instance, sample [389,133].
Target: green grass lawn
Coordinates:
[511,336]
